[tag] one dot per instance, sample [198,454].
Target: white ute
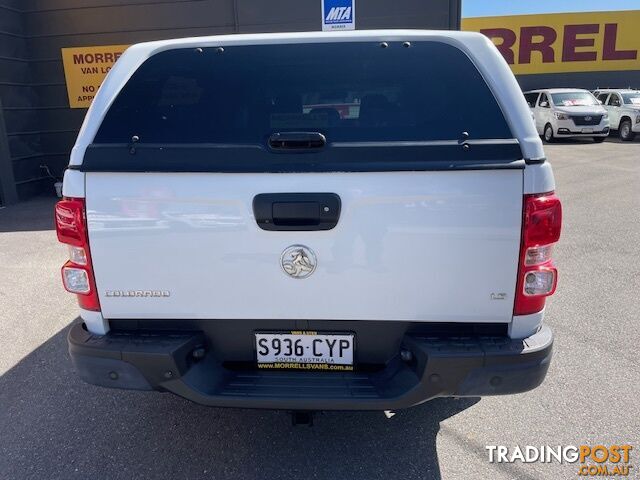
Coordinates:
[252,225]
[623,107]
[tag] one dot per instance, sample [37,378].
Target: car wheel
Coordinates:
[625,132]
[599,139]
[548,133]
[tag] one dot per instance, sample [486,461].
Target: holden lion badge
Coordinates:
[298,261]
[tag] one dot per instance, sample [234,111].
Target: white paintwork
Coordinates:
[73,184]
[544,116]
[423,246]
[539,178]
[617,113]
[523,326]
[94,321]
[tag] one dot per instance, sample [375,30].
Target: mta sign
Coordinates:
[338,15]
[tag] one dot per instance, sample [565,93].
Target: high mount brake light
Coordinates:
[537,275]
[77,273]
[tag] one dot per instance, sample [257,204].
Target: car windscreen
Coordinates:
[573,99]
[348,92]
[631,98]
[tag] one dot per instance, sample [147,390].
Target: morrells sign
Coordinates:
[566,42]
[85,69]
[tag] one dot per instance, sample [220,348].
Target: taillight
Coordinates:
[77,273]
[537,275]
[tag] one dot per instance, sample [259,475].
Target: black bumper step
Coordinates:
[451,366]
[300,385]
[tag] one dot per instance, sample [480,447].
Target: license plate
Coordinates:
[305,350]
[587,130]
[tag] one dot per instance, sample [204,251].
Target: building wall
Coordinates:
[16,95]
[40,126]
[586,80]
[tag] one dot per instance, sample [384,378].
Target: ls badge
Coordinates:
[298,261]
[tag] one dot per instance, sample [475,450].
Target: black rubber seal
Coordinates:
[336,157]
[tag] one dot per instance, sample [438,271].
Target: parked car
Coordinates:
[371,261]
[567,112]
[624,110]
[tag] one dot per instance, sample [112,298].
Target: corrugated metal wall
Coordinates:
[40,126]
[16,94]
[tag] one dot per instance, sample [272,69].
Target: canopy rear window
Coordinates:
[349,92]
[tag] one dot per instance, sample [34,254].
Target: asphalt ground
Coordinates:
[53,426]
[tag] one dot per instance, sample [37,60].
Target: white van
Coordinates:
[568,112]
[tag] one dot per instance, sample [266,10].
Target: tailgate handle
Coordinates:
[296,211]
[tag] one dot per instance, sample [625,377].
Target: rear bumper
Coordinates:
[463,366]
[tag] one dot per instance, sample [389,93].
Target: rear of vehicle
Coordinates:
[564,113]
[311,221]
[623,107]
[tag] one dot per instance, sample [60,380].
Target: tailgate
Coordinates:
[432,246]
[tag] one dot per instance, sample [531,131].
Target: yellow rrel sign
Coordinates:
[564,42]
[85,69]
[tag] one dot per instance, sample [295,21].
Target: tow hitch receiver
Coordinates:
[302,417]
